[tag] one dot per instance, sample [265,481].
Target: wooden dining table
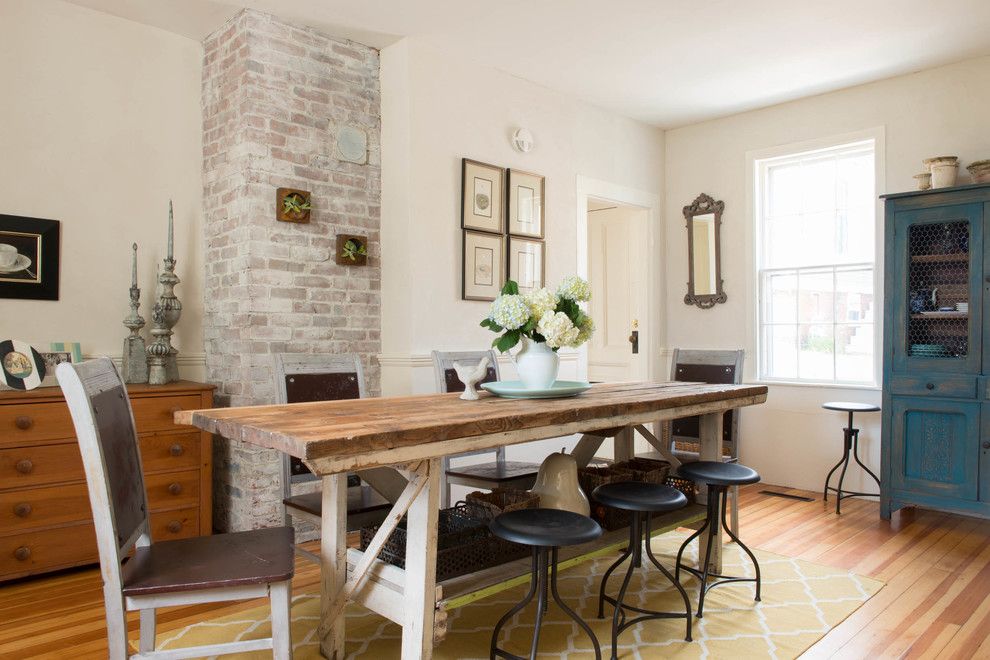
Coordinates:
[409,436]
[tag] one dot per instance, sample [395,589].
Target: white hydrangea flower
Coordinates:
[575,288]
[509,311]
[585,331]
[541,301]
[557,329]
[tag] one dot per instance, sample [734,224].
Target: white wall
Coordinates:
[437,109]
[99,126]
[790,440]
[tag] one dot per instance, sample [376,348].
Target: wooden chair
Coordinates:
[182,572]
[682,436]
[301,378]
[498,474]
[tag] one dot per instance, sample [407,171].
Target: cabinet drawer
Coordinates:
[178,524]
[33,552]
[172,489]
[169,452]
[155,413]
[25,424]
[963,387]
[40,466]
[43,507]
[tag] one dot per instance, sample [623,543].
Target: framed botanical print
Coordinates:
[483,265]
[29,258]
[482,192]
[527,264]
[525,204]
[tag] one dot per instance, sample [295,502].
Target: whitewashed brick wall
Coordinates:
[274,96]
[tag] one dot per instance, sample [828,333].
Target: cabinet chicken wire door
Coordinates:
[937,300]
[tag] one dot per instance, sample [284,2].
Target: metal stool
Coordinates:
[545,530]
[719,477]
[850,443]
[642,500]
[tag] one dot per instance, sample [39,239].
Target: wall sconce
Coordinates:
[522,140]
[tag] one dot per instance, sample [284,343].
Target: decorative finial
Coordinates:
[170,258]
[135,366]
[134,266]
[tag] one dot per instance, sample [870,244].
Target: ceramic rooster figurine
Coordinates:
[471,376]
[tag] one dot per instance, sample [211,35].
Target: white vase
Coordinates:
[537,365]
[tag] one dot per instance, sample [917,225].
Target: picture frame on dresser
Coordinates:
[43,484]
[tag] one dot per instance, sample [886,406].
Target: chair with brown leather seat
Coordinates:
[499,473]
[206,569]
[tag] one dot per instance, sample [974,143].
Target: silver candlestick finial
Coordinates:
[135,366]
[162,356]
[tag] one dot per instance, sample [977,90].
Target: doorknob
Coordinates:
[634,340]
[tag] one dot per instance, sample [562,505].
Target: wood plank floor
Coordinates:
[936,566]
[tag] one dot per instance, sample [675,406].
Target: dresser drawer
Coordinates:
[179,524]
[43,507]
[155,413]
[963,387]
[24,424]
[172,489]
[39,466]
[170,452]
[48,549]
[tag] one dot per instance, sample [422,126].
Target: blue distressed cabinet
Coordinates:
[935,449]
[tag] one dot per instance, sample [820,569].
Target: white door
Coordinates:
[617,254]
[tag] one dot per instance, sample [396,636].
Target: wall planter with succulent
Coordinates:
[352,250]
[292,205]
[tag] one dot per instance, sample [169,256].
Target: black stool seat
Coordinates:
[851,406]
[545,527]
[717,473]
[640,496]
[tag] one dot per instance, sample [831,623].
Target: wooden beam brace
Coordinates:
[656,444]
[388,525]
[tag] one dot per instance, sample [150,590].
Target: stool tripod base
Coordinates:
[539,586]
[850,446]
[635,555]
[704,574]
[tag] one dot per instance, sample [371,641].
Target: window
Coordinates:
[816,226]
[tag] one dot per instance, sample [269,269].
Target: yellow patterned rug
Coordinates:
[801,602]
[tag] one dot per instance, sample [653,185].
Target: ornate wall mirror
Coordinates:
[704,220]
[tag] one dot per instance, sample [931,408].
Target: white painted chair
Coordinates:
[305,377]
[206,569]
[498,474]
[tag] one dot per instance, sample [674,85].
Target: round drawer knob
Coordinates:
[176,449]
[22,510]
[173,410]
[174,527]
[23,422]
[986,444]
[24,466]
[929,386]
[175,488]
[22,553]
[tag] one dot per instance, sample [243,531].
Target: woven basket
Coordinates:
[650,470]
[464,542]
[503,500]
[591,478]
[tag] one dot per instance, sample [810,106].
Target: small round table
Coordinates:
[850,443]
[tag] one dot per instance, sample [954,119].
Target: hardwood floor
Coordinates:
[936,602]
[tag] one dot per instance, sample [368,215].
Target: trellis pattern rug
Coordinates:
[801,602]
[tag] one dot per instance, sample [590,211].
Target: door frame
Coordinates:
[655,291]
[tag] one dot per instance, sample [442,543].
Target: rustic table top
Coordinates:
[356,427]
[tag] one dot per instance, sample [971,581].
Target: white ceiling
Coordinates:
[666,62]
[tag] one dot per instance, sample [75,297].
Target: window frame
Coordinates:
[757,164]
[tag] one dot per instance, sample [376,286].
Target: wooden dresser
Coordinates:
[45,518]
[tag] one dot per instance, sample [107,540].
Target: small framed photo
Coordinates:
[483,266]
[72,348]
[527,264]
[29,258]
[526,204]
[482,192]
